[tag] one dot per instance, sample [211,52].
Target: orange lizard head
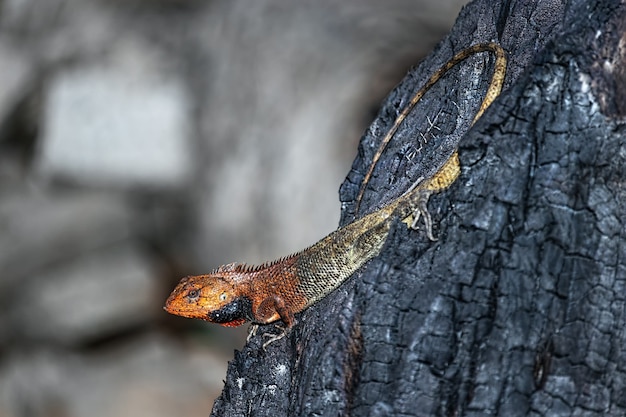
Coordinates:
[214,297]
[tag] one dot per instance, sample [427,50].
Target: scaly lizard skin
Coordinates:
[236,293]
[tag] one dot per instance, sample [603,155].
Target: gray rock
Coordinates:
[93,297]
[41,228]
[151,377]
[120,121]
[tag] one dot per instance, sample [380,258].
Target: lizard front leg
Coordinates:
[274,308]
[270,310]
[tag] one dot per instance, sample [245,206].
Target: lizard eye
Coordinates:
[193,294]
[223,296]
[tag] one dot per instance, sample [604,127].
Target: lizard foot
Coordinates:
[252,332]
[421,210]
[274,337]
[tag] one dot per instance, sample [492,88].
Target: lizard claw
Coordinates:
[252,332]
[420,210]
[271,338]
[274,337]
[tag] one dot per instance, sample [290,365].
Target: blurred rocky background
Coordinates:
[144,140]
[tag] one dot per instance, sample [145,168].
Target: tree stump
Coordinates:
[519,307]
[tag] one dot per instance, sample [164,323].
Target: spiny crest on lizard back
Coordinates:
[244,268]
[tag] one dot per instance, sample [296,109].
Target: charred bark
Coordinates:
[519,307]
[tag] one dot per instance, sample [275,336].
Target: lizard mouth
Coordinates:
[174,305]
[171,303]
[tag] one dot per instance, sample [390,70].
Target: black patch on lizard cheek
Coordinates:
[239,308]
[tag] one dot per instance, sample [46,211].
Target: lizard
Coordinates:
[234,294]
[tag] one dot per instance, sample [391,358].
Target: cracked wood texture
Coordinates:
[519,308]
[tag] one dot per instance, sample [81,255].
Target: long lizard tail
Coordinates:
[495,86]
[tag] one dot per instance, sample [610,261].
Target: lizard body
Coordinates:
[236,293]
[233,294]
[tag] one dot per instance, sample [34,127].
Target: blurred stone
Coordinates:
[11,178]
[30,383]
[28,16]
[152,377]
[95,296]
[39,229]
[122,121]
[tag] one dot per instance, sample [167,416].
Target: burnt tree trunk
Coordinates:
[519,307]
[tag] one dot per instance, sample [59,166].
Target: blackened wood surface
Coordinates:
[519,308]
